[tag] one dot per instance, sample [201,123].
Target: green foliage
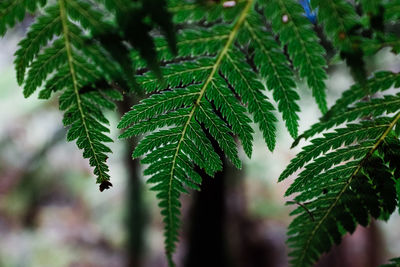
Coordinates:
[173,152]
[395,262]
[205,67]
[339,18]
[209,89]
[370,7]
[392,11]
[273,67]
[64,51]
[51,53]
[295,31]
[13,11]
[339,112]
[349,175]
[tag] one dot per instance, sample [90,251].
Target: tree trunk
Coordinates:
[207,235]
[135,212]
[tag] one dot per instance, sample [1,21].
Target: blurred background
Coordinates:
[52,213]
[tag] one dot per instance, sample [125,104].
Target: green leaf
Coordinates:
[302,44]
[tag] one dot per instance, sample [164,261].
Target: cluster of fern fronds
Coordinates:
[212,86]
[350,174]
[205,67]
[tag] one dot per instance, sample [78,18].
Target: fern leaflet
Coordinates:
[349,175]
[302,43]
[61,66]
[13,11]
[65,49]
[185,110]
[223,53]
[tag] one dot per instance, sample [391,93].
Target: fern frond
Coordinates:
[232,111]
[370,6]
[340,112]
[349,175]
[115,5]
[40,33]
[159,15]
[66,50]
[338,17]
[224,54]
[197,94]
[371,47]
[342,136]
[177,75]
[86,128]
[345,195]
[272,66]
[190,42]
[302,44]
[189,12]
[392,11]
[13,11]
[249,90]
[60,65]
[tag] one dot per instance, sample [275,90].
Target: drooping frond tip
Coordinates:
[51,54]
[65,51]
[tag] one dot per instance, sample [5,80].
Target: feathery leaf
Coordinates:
[349,175]
[302,44]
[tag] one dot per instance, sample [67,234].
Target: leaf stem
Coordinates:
[210,77]
[64,21]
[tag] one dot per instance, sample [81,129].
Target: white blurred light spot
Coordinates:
[229,3]
[285,18]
